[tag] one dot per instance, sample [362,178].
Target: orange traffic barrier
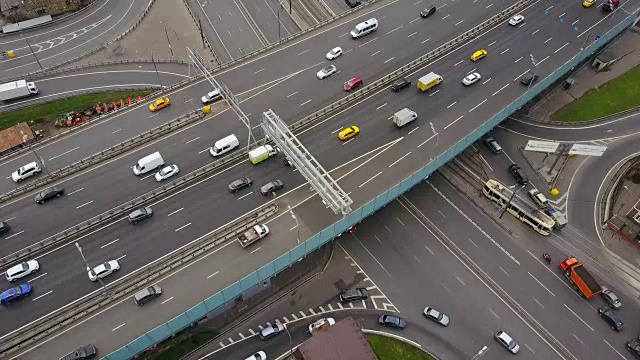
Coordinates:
[121,102]
[115,106]
[106,107]
[98,108]
[139,98]
[129,101]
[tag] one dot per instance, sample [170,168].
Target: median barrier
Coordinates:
[235,290]
[114,150]
[145,276]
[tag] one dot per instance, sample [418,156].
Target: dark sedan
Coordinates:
[240,184]
[48,194]
[140,214]
[400,84]
[611,318]
[634,347]
[271,187]
[392,321]
[85,352]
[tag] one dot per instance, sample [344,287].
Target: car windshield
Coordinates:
[328,69]
[436,314]
[334,51]
[106,267]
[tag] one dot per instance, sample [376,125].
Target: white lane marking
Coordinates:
[472,70]
[386,61]
[561,47]
[614,349]
[11,218]
[169,299]
[458,23]
[335,131]
[348,141]
[506,273]
[543,60]
[306,102]
[575,22]
[182,227]
[441,213]
[518,59]
[486,81]
[435,92]
[475,107]
[474,244]
[491,43]
[410,35]
[536,300]
[538,281]
[192,140]
[417,127]
[363,44]
[293,228]
[118,327]
[207,149]
[561,15]
[171,213]
[245,195]
[577,338]
[549,8]
[258,71]
[371,178]
[85,204]
[37,277]
[504,51]
[502,88]
[65,153]
[549,39]
[494,314]
[16,234]
[381,106]
[345,34]
[290,95]
[154,114]
[488,6]
[458,63]
[519,76]
[533,33]
[461,282]
[74,191]
[212,275]
[186,101]
[375,53]
[401,223]
[43,295]
[252,251]
[430,137]
[446,16]
[424,41]
[113,132]
[146,177]
[306,51]
[397,161]
[109,243]
[389,32]
[579,318]
[454,121]
[429,250]
[453,103]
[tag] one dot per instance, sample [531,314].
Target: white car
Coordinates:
[167,172]
[21,270]
[322,322]
[211,97]
[260,355]
[103,270]
[516,20]
[326,72]
[539,198]
[26,171]
[436,316]
[471,78]
[334,53]
[507,341]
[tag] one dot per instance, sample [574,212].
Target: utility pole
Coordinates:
[104,287]
[513,194]
[156,68]
[34,55]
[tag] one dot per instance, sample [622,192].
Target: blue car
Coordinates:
[15,294]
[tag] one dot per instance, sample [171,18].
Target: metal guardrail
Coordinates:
[45,100]
[144,277]
[114,150]
[570,124]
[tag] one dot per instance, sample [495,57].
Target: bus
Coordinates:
[500,194]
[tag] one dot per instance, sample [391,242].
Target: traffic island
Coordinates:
[387,348]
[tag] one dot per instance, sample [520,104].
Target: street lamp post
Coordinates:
[535,71]
[25,137]
[513,194]
[290,344]
[104,288]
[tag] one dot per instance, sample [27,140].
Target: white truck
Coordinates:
[404,116]
[17,89]
[262,153]
[250,236]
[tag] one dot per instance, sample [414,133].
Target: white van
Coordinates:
[364,28]
[224,145]
[148,163]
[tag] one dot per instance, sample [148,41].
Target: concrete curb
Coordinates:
[399,338]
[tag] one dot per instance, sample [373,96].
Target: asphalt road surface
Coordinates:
[50,45]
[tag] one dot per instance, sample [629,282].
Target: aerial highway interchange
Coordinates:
[284,81]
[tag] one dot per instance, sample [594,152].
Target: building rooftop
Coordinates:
[343,341]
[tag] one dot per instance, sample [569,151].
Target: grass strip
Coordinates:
[614,96]
[181,345]
[51,111]
[387,348]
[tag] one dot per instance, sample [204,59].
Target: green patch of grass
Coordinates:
[181,345]
[53,110]
[614,96]
[387,348]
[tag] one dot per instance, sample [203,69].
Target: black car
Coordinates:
[48,194]
[352,3]
[400,84]
[85,352]
[354,295]
[428,11]
[287,162]
[145,295]
[392,321]
[271,187]
[518,174]
[4,227]
[634,347]
[528,79]
[140,214]
[611,317]
[240,184]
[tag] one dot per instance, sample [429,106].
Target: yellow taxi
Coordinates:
[159,104]
[588,3]
[478,55]
[348,133]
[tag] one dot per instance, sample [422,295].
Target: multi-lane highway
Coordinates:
[188,149]
[69,38]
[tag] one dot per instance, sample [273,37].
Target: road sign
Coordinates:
[542,146]
[588,150]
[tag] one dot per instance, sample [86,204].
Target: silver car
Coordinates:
[436,316]
[611,298]
[326,72]
[507,341]
[471,78]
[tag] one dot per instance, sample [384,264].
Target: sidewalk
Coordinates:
[587,78]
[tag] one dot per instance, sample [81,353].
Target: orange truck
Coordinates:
[580,278]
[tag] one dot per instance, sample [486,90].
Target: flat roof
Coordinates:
[342,341]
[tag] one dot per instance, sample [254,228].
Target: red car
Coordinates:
[352,84]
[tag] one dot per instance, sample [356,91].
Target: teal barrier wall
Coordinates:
[234,290]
